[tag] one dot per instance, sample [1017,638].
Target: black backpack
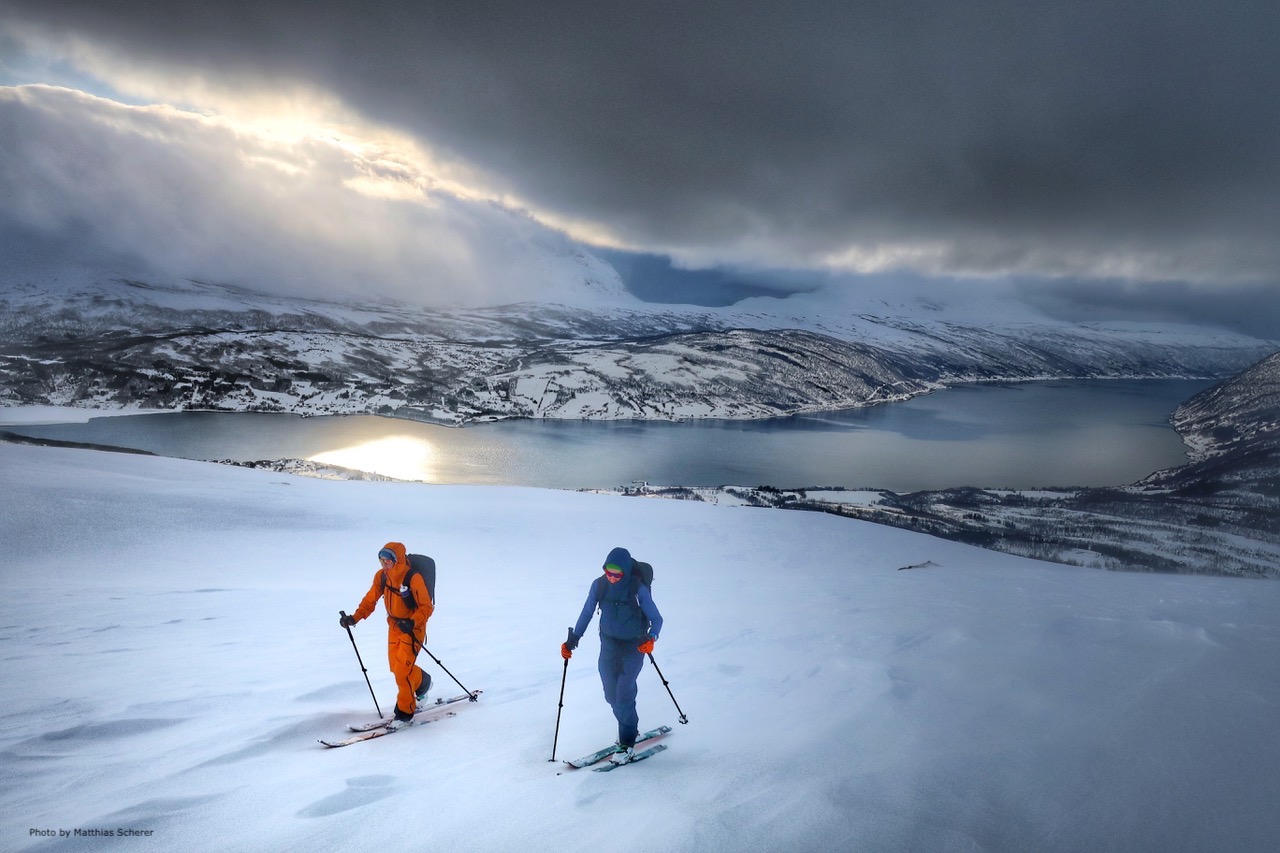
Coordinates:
[420,564]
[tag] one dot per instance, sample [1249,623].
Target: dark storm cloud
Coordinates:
[91,187]
[1093,137]
[1253,309]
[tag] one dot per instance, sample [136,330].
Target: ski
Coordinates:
[379,732]
[601,754]
[424,709]
[640,756]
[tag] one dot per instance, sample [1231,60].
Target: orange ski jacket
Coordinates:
[389,584]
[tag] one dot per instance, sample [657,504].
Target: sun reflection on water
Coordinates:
[403,457]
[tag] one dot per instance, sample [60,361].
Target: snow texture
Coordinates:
[171,655]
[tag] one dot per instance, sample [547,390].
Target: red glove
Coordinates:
[565,651]
[646,647]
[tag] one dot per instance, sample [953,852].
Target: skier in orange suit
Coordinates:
[408,604]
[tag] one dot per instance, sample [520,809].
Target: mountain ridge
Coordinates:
[196,345]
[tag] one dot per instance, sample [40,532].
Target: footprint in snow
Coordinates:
[360,791]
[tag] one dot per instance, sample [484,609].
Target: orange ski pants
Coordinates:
[401,655]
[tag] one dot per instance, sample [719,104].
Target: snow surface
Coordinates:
[171,654]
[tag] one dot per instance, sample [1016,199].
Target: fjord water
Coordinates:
[1021,436]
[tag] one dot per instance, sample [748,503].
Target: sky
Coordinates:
[176,674]
[1100,159]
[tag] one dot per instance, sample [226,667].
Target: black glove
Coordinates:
[346,621]
[405,625]
[572,642]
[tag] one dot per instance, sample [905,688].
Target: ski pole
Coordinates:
[683,717]
[565,674]
[470,696]
[343,614]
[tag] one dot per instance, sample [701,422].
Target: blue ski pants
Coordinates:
[620,665]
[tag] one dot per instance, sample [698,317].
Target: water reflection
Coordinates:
[1027,436]
[404,457]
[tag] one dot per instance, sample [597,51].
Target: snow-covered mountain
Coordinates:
[599,354]
[1215,515]
[1233,431]
[1242,412]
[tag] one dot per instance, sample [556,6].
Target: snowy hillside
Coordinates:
[1242,411]
[599,354]
[172,654]
[1216,515]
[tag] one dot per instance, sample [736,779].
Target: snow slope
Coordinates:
[171,654]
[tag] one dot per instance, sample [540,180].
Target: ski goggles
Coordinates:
[613,572]
[387,554]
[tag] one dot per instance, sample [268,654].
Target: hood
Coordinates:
[402,562]
[621,558]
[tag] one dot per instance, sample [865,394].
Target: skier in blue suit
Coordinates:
[629,625]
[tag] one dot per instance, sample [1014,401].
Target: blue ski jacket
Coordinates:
[627,611]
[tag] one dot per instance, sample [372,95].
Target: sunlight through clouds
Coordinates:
[299,206]
[294,129]
[439,155]
[278,113]
[292,119]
